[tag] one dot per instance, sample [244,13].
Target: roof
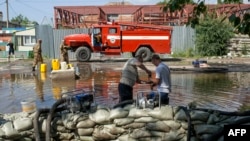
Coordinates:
[108,9]
[84,10]
[120,9]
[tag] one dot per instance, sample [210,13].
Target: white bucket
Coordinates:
[28,105]
[64,66]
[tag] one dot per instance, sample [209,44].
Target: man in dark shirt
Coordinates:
[11,49]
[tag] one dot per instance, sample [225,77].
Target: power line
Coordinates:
[13,9]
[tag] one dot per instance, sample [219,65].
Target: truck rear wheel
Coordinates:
[83,54]
[145,52]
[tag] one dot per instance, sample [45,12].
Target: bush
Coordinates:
[212,36]
[189,52]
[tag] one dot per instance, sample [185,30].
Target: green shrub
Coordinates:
[189,52]
[212,36]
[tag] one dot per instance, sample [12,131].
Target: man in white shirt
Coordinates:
[162,78]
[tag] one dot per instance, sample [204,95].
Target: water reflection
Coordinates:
[39,85]
[61,87]
[222,91]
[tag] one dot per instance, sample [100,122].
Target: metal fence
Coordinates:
[183,37]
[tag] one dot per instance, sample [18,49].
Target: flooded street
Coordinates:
[228,91]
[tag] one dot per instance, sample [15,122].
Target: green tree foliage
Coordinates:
[242,25]
[23,21]
[162,2]
[212,36]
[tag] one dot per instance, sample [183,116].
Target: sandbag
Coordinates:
[199,115]
[118,113]
[175,125]
[112,129]
[145,119]
[70,120]
[101,116]
[65,136]
[158,126]
[126,137]
[85,124]
[86,138]
[10,131]
[164,113]
[141,133]
[100,134]
[134,125]
[206,129]
[180,115]
[173,136]
[23,124]
[123,121]
[137,113]
[84,131]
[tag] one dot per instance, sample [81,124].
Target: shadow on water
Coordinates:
[227,91]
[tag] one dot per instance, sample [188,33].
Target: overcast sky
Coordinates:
[42,11]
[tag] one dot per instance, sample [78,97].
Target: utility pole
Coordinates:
[7,8]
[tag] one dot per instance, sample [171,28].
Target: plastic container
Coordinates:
[28,105]
[43,68]
[64,66]
[55,64]
[70,66]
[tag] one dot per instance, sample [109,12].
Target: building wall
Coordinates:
[25,40]
[246,1]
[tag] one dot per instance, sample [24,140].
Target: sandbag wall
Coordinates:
[123,124]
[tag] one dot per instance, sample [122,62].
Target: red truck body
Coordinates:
[115,39]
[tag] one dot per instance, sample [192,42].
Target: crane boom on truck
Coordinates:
[115,39]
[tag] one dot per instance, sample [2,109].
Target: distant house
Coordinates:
[25,40]
[246,1]
[7,34]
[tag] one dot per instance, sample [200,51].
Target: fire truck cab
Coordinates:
[115,39]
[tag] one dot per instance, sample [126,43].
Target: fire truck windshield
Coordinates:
[97,30]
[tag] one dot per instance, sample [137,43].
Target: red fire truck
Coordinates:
[115,39]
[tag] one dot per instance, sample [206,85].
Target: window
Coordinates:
[29,40]
[97,30]
[112,30]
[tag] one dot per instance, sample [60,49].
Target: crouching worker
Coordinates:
[162,79]
[130,76]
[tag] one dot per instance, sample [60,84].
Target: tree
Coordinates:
[242,25]
[23,21]
[212,36]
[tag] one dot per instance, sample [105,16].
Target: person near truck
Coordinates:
[130,76]
[11,49]
[64,57]
[37,50]
[162,79]
[98,39]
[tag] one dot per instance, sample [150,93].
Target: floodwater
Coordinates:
[221,91]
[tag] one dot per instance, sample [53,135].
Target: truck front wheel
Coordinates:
[83,54]
[144,52]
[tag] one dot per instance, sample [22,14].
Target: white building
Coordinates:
[26,39]
[246,1]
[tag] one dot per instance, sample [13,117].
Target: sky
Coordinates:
[42,11]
